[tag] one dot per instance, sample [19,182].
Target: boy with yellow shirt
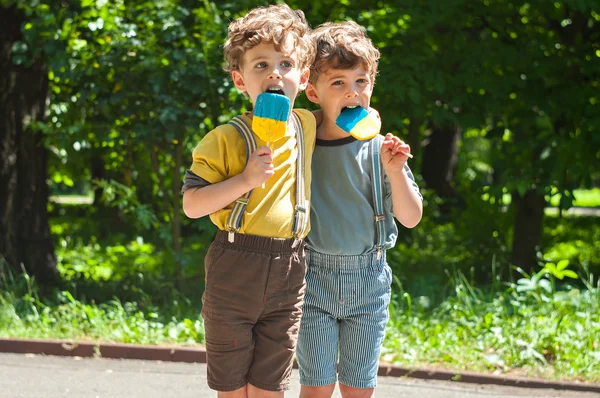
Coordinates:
[255,267]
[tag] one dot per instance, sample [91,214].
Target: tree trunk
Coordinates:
[24,230]
[529,216]
[440,157]
[98,173]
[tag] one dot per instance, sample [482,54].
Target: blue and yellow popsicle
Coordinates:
[271,113]
[359,123]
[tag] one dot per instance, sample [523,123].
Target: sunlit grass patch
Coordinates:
[529,328]
[581,198]
[124,290]
[72,199]
[24,314]
[587,197]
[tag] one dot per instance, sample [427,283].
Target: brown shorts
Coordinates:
[251,308]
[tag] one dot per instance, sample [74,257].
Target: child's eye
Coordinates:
[287,64]
[362,81]
[337,83]
[261,65]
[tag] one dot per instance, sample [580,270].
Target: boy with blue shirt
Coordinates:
[354,203]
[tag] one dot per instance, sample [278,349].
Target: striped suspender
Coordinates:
[377,177]
[300,216]
[234,222]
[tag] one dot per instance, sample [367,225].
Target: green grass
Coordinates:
[530,327]
[72,199]
[553,334]
[118,289]
[582,198]
[24,314]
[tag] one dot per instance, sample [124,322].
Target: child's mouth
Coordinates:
[275,90]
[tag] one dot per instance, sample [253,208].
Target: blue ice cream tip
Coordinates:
[350,117]
[272,106]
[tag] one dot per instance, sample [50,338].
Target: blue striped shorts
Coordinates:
[344,318]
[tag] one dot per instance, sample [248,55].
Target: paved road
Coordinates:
[31,376]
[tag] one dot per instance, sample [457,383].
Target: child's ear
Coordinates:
[311,94]
[304,79]
[238,80]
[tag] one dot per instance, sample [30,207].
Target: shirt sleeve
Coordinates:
[209,159]
[191,180]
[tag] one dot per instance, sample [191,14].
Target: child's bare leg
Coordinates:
[239,393]
[317,392]
[352,392]
[255,392]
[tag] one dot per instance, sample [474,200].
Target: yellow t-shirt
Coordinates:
[270,212]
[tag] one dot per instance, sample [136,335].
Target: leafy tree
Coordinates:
[524,73]
[24,232]
[130,85]
[120,93]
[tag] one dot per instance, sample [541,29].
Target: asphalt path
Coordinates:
[37,376]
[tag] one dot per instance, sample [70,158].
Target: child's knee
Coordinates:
[353,392]
[317,391]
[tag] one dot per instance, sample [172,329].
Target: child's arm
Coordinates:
[407,204]
[198,202]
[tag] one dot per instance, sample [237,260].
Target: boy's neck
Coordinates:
[330,131]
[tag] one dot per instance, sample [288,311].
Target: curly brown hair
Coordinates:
[272,24]
[343,45]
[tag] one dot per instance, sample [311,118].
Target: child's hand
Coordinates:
[394,153]
[259,167]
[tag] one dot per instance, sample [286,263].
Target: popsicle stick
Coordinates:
[268,146]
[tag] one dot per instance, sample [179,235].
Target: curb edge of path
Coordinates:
[170,353]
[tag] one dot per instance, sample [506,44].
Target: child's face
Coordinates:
[266,69]
[336,89]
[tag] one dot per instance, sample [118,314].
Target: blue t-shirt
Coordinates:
[342,209]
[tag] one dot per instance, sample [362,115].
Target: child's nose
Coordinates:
[352,93]
[275,74]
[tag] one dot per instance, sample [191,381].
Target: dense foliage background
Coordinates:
[102,102]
